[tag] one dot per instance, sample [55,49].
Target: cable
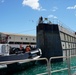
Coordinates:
[26,31]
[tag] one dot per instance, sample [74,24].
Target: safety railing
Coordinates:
[49,69]
[68,63]
[49,66]
[62,69]
[29,60]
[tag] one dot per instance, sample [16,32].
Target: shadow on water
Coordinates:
[37,68]
[32,68]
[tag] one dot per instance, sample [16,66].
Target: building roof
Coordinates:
[7,33]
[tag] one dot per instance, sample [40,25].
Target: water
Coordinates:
[43,68]
[39,68]
[33,70]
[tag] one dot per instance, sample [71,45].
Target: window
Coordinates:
[33,39]
[21,38]
[9,37]
[26,38]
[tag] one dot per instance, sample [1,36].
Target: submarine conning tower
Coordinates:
[48,39]
[55,39]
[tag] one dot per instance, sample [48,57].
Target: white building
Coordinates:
[17,39]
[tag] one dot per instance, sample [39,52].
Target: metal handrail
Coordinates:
[43,73]
[59,70]
[28,60]
[48,64]
[68,63]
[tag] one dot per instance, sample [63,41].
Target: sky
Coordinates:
[21,16]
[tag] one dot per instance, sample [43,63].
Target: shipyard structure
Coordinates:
[55,40]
